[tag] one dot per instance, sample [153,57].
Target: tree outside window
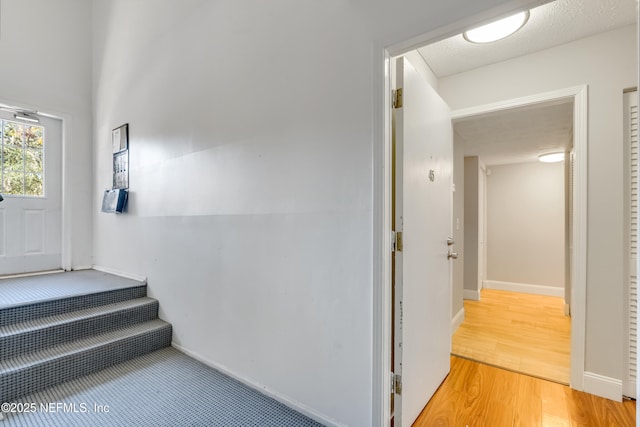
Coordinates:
[22,158]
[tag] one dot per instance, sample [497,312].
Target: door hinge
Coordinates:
[396,384]
[396,245]
[397,98]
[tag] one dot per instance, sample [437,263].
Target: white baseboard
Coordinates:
[120,273]
[37,273]
[457,320]
[609,388]
[551,291]
[81,267]
[471,295]
[303,409]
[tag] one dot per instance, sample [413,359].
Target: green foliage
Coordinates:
[22,154]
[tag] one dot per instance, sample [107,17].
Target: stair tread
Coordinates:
[65,318]
[52,353]
[36,289]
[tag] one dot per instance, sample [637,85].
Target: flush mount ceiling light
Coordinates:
[497,30]
[551,157]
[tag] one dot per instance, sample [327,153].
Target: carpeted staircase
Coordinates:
[47,343]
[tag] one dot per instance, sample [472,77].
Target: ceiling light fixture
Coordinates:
[497,30]
[26,117]
[551,157]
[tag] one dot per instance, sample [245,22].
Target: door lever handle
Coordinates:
[452,255]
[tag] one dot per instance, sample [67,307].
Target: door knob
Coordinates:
[452,255]
[450,241]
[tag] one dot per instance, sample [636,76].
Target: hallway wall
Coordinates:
[252,182]
[472,171]
[525,225]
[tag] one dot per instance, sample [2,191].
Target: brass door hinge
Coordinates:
[396,384]
[397,98]
[397,241]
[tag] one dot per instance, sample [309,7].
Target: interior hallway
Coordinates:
[521,332]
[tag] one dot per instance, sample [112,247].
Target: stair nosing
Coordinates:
[71,317]
[86,293]
[28,360]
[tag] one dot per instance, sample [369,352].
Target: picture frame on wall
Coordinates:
[120,138]
[120,146]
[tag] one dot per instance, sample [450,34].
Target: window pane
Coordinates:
[34,185]
[22,157]
[33,160]
[33,136]
[12,158]
[13,183]
[13,134]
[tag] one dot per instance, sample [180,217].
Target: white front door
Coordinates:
[423,202]
[31,185]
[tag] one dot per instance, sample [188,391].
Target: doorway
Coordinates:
[384,239]
[577,208]
[31,187]
[514,314]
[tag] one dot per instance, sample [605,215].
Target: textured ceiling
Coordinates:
[552,24]
[517,135]
[520,135]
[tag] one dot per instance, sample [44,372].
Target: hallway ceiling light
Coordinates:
[551,157]
[497,30]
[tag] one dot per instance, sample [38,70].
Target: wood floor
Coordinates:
[478,395]
[521,332]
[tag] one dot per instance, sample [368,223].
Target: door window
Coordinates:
[22,159]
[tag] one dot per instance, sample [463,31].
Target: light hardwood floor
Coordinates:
[479,395]
[521,332]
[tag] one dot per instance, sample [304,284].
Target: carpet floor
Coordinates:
[18,291]
[163,388]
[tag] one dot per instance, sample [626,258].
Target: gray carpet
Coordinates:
[18,291]
[163,388]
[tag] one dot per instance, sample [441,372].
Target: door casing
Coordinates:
[579,254]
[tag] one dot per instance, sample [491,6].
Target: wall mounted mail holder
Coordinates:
[115,200]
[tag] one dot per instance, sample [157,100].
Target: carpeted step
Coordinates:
[25,313]
[38,334]
[36,371]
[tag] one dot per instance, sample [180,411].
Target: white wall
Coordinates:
[471,226]
[45,48]
[525,224]
[457,292]
[607,63]
[251,178]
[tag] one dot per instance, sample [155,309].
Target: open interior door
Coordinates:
[423,160]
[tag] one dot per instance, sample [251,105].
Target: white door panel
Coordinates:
[424,163]
[31,226]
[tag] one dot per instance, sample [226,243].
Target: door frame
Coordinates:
[579,94]
[65,211]
[384,50]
